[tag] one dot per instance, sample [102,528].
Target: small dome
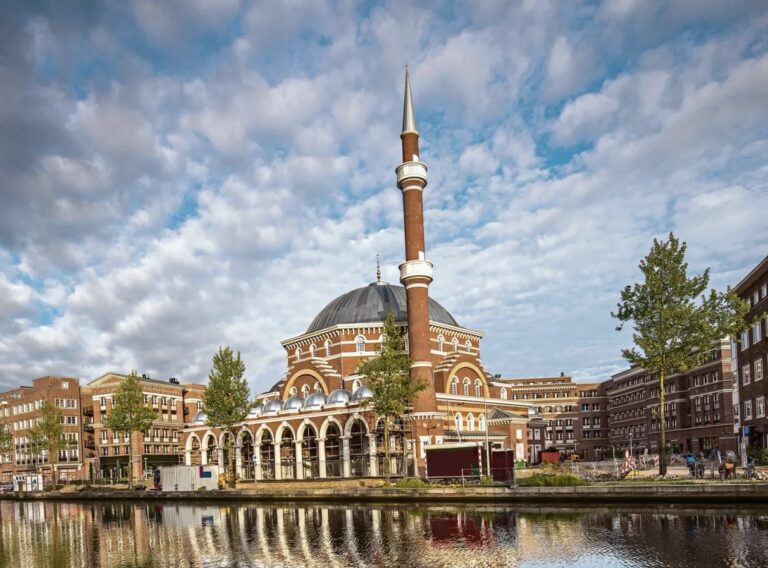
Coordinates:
[315,400]
[361,393]
[293,403]
[200,416]
[339,396]
[256,410]
[273,405]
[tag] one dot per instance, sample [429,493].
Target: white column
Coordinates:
[203,457]
[345,456]
[321,457]
[257,462]
[372,467]
[299,460]
[238,459]
[278,464]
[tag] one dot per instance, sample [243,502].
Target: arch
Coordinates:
[308,372]
[297,353]
[440,342]
[360,344]
[350,422]
[246,466]
[266,452]
[471,422]
[465,384]
[282,428]
[327,423]
[468,346]
[478,387]
[313,350]
[359,447]
[455,344]
[454,385]
[458,422]
[304,391]
[318,387]
[481,425]
[211,449]
[310,454]
[294,391]
[503,394]
[286,437]
[193,450]
[334,460]
[466,365]
[328,348]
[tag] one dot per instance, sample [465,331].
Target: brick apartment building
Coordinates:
[20,410]
[162,444]
[751,351]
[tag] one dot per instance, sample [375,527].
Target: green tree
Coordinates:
[130,414]
[6,439]
[48,435]
[226,399]
[387,375]
[675,321]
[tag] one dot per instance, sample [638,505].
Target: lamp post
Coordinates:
[630,444]
[487,442]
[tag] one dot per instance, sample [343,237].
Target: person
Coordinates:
[690,461]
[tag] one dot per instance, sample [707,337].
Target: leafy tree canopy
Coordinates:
[226,399]
[129,413]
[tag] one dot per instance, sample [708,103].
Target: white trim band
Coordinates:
[417,285]
[416,269]
[411,187]
[411,170]
[418,364]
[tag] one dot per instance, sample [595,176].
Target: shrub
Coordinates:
[486,481]
[760,455]
[543,480]
[411,483]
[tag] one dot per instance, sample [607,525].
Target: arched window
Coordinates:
[471,423]
[457,421]
[318,388]
[328,350]
[313,350]
[466,387]
[478,388]
[503,394]
[360,344]
[356,385]
[440,341]
[454,385]
[293,391]
[468,345]
[481,422]
[455,344]
[297,353]
[305,391]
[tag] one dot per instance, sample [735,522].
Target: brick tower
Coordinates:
[416,275]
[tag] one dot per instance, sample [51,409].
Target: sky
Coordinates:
[180,175]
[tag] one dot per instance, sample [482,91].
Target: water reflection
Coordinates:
[141,534]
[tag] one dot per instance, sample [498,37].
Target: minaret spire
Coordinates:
[409,116]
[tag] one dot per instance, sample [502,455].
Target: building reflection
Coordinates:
[34,534]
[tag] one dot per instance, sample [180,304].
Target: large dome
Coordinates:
[371,304]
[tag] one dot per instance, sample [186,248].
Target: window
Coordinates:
[318,388]
[356,385]
[745,376]
[481,422]
[760,407]
[294,391]
[747,410]
[455,344]
[360,344]
[454,385]
[440,342]
[457,421]
[759,370]
[478,388]
[744,340]
[503,394]
[466,387]
[471,423]
[64,384]
[297,352]
[328,349]
[305,391]
[756,329]
[468,346]
[764,290]
[313,351]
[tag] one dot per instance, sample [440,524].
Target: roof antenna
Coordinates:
[378,270]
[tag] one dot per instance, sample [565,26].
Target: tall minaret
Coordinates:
[416,272]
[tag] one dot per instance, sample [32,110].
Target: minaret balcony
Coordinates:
[411,170]
[415,269]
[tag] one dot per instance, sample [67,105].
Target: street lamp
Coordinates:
[487,442]
[630,444]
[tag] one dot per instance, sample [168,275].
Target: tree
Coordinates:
[48,435]
[226,399]
[6,439]
[675,322]
[130,414]
[387,375]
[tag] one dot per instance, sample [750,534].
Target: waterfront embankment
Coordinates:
[700,493]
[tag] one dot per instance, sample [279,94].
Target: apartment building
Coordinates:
[751,351]
[20,410]
[161,445]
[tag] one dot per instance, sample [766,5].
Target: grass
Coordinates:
[544,480]
[411,483]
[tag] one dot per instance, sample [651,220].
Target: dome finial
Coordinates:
[378,270]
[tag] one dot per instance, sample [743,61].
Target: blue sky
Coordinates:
[184,174]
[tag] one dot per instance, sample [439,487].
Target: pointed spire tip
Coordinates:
[409,115]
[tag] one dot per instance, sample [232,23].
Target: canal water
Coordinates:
[38,534]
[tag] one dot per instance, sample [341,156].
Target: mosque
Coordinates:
[312,423]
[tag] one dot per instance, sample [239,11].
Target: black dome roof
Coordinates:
[371,304]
